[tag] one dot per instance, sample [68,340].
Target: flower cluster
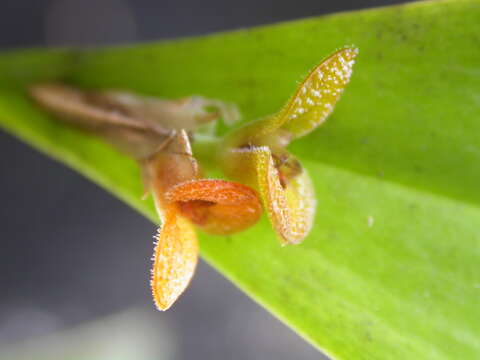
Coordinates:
[158,134]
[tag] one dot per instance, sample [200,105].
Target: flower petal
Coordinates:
[171,165]
[175,259]
[317,95]
[217,206]
[290,203]
[176,250]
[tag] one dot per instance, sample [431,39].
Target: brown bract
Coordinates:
[174,260]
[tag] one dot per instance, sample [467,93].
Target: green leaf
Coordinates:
[391,268]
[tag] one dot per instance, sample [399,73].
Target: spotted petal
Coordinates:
[308,108]
[290,204]
[317,95]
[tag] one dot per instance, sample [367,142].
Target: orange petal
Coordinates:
[217,206]
[175,258]
[290,205]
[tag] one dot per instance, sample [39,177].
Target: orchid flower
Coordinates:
[256,154]
[155,133]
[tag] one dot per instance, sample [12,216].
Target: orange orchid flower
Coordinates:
[154,131]
[255,154]
[182,198]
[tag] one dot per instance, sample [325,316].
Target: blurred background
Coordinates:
[74,261]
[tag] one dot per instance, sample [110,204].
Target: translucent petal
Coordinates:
[290,205]
[135,124]
[171,165]
[175,259]
[85,108]
[121,108]
[217,206]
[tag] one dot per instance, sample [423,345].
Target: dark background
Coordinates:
[70,252]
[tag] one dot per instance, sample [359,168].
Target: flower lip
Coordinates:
[216,206]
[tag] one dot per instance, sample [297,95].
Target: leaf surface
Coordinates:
[391,267]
